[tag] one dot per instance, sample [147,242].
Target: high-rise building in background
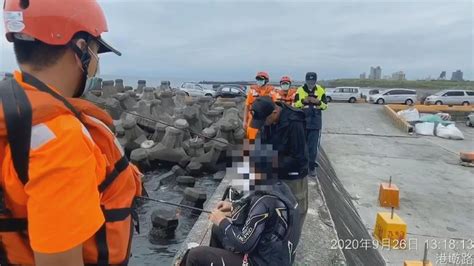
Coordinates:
[362,76]
[457,76]
[442,76]
[400,75]
[375,72]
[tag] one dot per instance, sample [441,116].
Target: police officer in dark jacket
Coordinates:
[284,127]
[263,227]
[311,98]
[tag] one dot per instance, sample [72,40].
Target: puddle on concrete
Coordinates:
[162,253]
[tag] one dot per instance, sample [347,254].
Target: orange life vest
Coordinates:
[121,184]
[287,96]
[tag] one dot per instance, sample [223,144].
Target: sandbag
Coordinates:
[449,132]
[425,129]
[410,115]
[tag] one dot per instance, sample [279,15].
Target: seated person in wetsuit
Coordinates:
[263,227]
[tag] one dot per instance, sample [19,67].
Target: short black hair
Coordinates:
[37,53]
[40,54]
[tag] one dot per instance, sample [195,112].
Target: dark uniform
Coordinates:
[263,230]
[313,116]
[287,136]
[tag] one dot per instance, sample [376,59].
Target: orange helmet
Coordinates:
[263,74]
[285,79]
[55,22]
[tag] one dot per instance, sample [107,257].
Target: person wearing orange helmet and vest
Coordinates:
[66,187]
[286,94]
[262,88]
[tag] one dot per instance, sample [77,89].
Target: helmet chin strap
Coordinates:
[85,58]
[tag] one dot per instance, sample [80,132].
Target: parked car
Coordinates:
[230,91]
[5,75]
[405,96]
[347,94]
[194,89]
[449,97]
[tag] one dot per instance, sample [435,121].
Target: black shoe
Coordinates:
[312,172]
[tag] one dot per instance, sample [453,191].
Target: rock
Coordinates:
[164,223]
[164,218]
[187,181]
[178,170]
[194,195]
[128,88]
[166,178]
[194,168]
[139,157]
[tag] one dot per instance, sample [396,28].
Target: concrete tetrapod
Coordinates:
[164,222]
[119,85]
[167,102]
[141,86]
[108,89]
[170,148]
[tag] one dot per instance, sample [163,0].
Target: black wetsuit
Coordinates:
[263,230]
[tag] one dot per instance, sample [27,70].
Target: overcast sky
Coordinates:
[222,40]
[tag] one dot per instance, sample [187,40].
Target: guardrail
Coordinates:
[397,120]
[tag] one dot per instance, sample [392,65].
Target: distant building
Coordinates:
[362,76]
[457,76]
[442,76]
[387,77]
[375,72]
[400,75]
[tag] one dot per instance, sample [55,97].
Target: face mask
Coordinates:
[285,87]
[260,82]
[91,82]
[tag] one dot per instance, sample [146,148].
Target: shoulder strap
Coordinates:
[18,120]
[27,78]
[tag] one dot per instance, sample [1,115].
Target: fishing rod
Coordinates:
[174,204]
[158,121]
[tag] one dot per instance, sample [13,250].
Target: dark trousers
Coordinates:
[312,140]
[215,254]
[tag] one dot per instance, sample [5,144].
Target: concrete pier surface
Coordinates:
[436,193]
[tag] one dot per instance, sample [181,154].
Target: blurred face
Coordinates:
[311,83]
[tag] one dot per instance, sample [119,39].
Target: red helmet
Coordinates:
[263,74]
[55,22]
[285,79]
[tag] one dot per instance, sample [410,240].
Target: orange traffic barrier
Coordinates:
[467,156]
[424,262]
[416,263]
[389,195]
[390,230]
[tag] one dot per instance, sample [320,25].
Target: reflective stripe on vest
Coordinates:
[118,189]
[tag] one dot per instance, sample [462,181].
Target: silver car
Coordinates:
[347,94]
[405,96]
[451,97]
[193,89]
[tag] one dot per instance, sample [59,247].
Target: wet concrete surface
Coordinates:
[436,193]
[162,252]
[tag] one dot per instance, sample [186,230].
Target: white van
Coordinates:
[346,94]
